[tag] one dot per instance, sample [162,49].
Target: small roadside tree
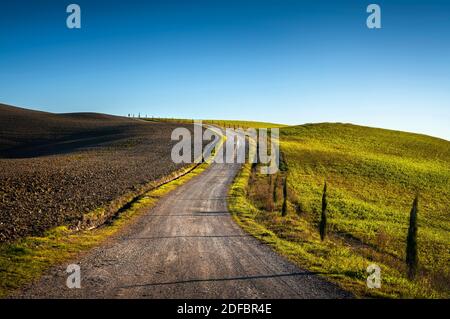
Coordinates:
[412,258]
[275,186]
[256,155]
[323,217]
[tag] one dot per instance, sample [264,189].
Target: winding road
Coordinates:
[187,246]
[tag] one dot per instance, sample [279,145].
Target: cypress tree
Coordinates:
[323,217]
[257,149]
[412,258]
[255,163]
[275,185]
[284,207]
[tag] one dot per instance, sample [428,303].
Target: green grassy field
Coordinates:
[372,176]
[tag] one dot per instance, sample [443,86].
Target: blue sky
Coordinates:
[291,62]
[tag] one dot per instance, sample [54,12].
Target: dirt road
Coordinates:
[187,246]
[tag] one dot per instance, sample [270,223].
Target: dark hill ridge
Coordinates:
[56,167]
[28,133]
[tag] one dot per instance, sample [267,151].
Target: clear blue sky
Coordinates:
[283,61]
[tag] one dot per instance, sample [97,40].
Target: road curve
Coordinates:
[187,246]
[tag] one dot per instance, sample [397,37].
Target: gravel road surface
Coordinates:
[187,246]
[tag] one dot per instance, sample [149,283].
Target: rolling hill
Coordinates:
[372,176]
[29,133]
[55,168]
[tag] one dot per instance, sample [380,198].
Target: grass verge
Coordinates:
[341,261]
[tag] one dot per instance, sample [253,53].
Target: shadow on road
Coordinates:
[305,273]
[181,236]
[195,214]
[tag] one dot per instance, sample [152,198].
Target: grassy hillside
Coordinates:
[243,124]
[372,177]
[223,123]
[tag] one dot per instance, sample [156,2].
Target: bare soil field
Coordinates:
[56,167]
